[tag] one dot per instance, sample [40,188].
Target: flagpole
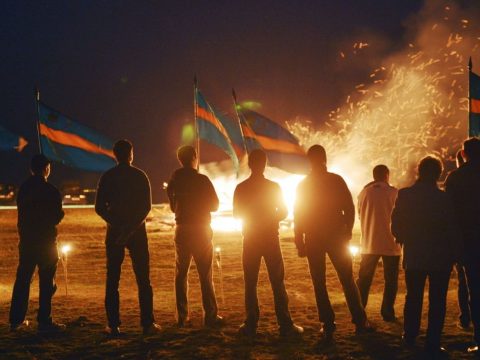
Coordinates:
[470,66]
[234,95]
[197,137]
[37,107]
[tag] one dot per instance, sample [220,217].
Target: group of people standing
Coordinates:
[435,228]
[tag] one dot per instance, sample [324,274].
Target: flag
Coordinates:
[73,144]
[281,146]
[474,114]
[211,127]
[10,141]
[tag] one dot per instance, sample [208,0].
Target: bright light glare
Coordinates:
[66,248]
[217,249]
[354,250]
[226,223]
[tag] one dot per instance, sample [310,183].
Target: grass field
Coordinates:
[84,314]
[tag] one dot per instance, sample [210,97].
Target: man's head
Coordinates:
[40,165]
[381,173]
[471,149]
[257,160]
[123,151]
[429,169]
[187,156]
[317,157]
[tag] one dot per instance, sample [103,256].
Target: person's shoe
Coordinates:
[326,336]
[290,331]
[474,350]
[20,327]
[216,322]
[182,322]
[152,329]
[365,328]
[113,331]
[435,352]
[247,331]
[51,328]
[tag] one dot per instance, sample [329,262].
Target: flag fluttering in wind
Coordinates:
[474,113]
[71,143]
[10,141]
[210,125]
[281,146]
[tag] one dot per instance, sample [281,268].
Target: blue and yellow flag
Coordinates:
[73,144]
[10,141]
[211,127]
[281,146]
[474,113]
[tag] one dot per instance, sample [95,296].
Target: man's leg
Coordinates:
[437,305]
[115,256]
[47,266]
[390,274]
[365,275]
[472,271]
[21,288]
[316,264]
[276,273]
[412,311]
[138,247]
[342,262]
[183,257]
[463,297]
[203,256]
[251,260]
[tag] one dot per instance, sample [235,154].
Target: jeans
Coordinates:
[138,249]
[437,300]
[463,296]
[253,251]
[472,271]
[45,256]
[390,274]
[194,241]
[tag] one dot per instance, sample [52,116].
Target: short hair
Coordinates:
[186,154]
[430,168]
[122,150]
[380,172]
[38,163]
[257,158]
[471,148]
[316,154]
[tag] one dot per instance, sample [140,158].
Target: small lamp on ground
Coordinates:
[65,249]
[218,258]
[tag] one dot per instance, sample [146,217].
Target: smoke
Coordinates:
[414,102]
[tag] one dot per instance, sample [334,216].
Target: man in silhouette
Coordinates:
[375,204]
[324,216]
[192,198]
[39,206]
[124,201]
[259,203]
[462,186]
[422,221]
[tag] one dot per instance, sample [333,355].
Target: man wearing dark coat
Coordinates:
[39,206]
[422,221]
[462,185]
[324,216]
[259,203]
[124,201]
[192,198]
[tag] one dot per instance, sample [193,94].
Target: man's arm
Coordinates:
[145,202]
[398,218]
[211,195]
[171,193]
[58,212]
[348,208]
[298,222]
[101,201]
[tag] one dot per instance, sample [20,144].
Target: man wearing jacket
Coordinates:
[375,204]
[259,203]
[462,186]
[422,221]
[324,217]
[192,198]
[124,201]
[39,206]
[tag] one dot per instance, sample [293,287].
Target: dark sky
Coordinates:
[126,68]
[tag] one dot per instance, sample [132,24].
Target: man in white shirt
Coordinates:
[375,205]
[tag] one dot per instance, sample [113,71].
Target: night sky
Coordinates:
[126,68]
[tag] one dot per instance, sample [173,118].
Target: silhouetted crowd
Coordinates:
[436,228]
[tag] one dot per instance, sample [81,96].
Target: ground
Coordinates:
[82,310]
